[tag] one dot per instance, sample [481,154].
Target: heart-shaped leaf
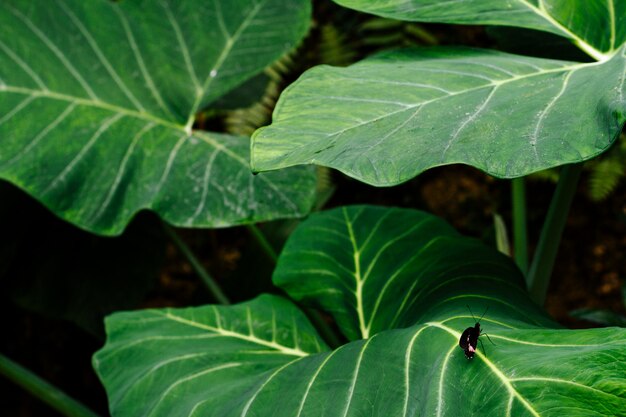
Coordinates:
[263,357]
[375,266]
[98,101]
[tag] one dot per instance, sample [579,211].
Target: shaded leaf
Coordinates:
[598,27]
[175,353]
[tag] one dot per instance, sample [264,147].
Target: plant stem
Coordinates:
[326,331]
[210,283]
[547,248]
[43,390]
[263,242]
[520,234]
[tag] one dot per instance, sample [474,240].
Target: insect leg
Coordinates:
[485,334]
[482,347]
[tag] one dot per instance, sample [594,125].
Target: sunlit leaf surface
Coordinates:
[98,101]
[263,357]
[390,117]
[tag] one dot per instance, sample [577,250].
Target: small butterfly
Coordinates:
[470,337]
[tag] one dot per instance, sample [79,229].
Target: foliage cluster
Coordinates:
[109,109]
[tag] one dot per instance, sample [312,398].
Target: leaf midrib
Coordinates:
[123,111]
[93,103]
[224,332]
[493,83]
[498,373]
[230,42]
[584,45]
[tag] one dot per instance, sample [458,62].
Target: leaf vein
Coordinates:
[55,50]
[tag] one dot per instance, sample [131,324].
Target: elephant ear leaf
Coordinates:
[264,358]
[392,116]
[595,26]
[98,101]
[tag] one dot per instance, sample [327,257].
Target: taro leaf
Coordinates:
[263,358]
[374,265]
[535,43]
[598,27]
[98,100]
[602,317]
[388,118]
[198,361]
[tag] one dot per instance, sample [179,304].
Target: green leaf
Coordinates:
[98,100]
[598,27]
[199,360]
[390,117]
[369,266]
[263,357]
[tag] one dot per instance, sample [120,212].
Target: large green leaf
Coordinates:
[198,361]
[372,266]
[263,357]
[597,26]
[98,100]
[390,117]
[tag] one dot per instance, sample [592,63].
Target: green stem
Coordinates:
[327,333]
[210,283]
[547,248]
[43,390]
[263,242]
[520,235]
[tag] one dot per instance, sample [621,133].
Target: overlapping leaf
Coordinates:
[263,358]
[598,27]
[370,267]
[200,361]
[98,100]
[390,117]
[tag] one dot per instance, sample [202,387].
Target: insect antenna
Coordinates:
[470,310]
[472,313]
[481,317]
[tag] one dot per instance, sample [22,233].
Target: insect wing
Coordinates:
[465,338]
[474,333]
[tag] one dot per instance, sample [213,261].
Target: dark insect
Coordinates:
[470,337]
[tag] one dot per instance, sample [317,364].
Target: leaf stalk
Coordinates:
[325,330]
[43,390]
[551,232]
[520,231]
[263,242]
[208,280]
